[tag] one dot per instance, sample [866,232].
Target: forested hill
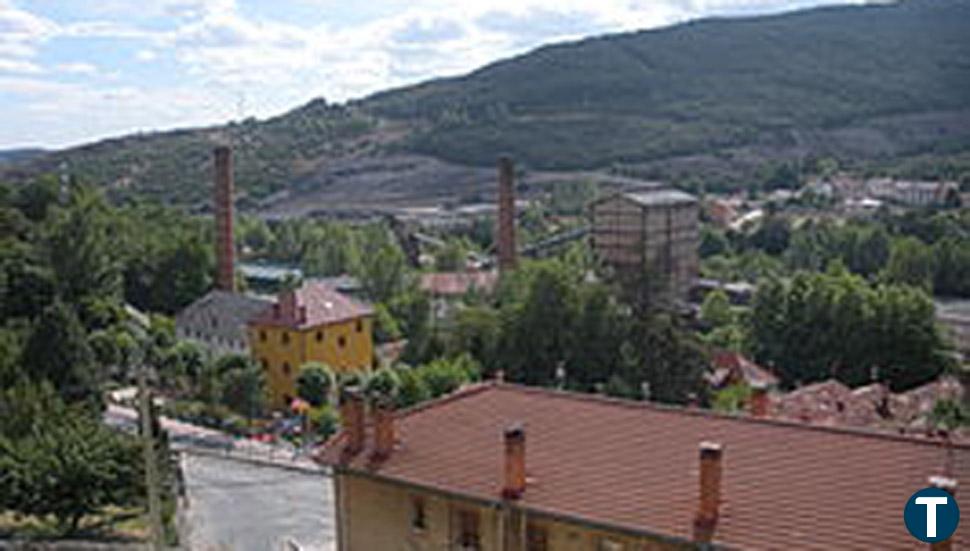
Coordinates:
[712,98]
[708,85]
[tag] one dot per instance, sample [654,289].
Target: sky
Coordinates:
[73,71]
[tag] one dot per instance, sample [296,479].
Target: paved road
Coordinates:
[239,506]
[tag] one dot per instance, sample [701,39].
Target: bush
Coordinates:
[314,383]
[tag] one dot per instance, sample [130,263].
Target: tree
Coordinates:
[314,383]
[667,358]
[244,389]
[83,250]
[383,385]
[412,389]
[716,309]
[911,262]
[58,351]
[60,461]
[452,257]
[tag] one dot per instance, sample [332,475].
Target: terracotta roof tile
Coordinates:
[634,466]
[312,304]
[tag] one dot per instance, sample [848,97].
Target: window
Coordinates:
[360,326]
[285,337]
[536,538]
[265,363]
[215,322]
[320,336]
[262,336]
[342,341]
[468,530]
[419,520]
[286,369]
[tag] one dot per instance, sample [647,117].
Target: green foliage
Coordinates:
[413,388]
[383,385]
[314,383]
[949,415]
[244,389]
[57,350]
[60,461]
[83,249]
[324,420]
[716,309]
[732,398]
[837,325]
[910,263]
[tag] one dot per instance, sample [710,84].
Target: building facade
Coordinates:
[651,233]
[217,321]
[504,467]
[313,323]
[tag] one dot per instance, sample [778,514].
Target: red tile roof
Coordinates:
[458,283]
[634,466]
[731,367]
[311,305]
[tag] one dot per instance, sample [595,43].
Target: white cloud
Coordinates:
[77,68]
[19,66]
[218,55]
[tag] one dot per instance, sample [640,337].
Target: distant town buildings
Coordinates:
[902,192]
[649,232]
[496,466]
[313,323]
[217,321]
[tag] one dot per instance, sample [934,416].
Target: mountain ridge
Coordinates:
[714,99]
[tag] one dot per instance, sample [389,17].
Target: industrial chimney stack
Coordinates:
[225,247]
[507,258]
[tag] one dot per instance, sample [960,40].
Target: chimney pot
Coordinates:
[383,430]
[710,491]
[352,418]
[514,462]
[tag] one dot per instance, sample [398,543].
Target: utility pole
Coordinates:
[151,462]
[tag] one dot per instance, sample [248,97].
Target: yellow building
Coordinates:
[313,323]
[601,474]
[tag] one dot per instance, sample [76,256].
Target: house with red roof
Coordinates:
[497,466]
[312,323]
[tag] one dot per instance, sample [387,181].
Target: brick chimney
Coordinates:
[383,430]
[505,230]
[949,486]
[708,507]
[352,418]
[758,402]
[225,248]
[514,462]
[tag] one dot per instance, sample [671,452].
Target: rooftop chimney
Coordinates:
[352,418]
[710,492]
[225,249]
[383,429]
[758,403]
[514,462]
[948,485]
[507,259]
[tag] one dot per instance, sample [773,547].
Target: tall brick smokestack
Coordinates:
[225,247]
[507,258]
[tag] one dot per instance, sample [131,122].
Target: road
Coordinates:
[234,505]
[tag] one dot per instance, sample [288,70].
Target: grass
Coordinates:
[111,524]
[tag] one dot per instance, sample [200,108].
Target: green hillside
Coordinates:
[699,86]
[881,85]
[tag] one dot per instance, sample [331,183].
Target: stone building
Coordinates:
[652,233]
[217,321]
[497,466]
